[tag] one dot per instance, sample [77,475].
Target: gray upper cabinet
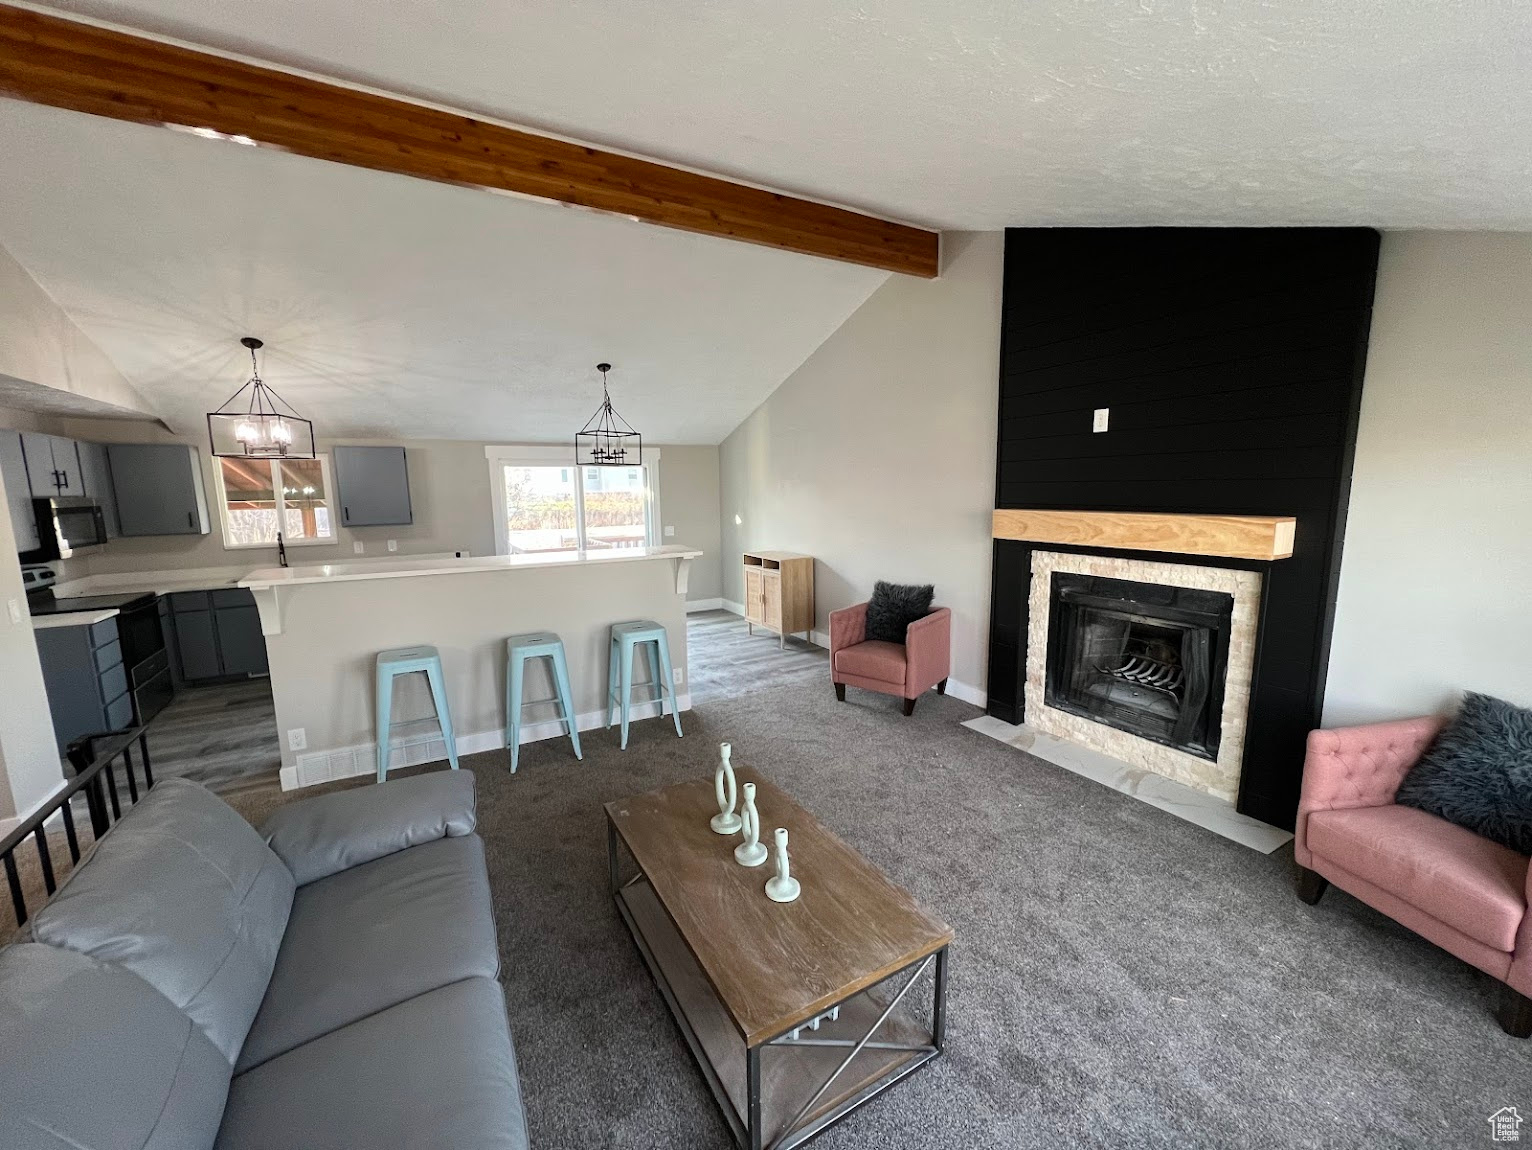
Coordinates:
[18,494]
[373,485]
[159,489]
[53,465]
[97,474]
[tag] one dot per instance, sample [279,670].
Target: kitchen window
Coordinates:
[259,497]
[544,503]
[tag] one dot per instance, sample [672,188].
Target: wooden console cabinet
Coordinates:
[779,593]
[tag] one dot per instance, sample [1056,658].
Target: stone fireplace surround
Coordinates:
[1221,778]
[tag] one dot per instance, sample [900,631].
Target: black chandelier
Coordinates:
[264,427]
[608,440]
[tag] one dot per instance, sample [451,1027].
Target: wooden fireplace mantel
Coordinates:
[1226,536]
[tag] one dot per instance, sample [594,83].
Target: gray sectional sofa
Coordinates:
[327,983]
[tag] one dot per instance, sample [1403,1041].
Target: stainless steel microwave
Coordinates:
[65,525]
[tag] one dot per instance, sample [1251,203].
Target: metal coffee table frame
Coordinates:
[747,1128]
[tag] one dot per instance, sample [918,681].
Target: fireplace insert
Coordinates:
[1142,657]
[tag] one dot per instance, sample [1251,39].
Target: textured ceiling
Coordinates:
[976,114]
[394,307]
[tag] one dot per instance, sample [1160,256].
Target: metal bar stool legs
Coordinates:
[626,638]
[519,649]
[407,661]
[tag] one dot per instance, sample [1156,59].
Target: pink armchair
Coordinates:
[1466,894]
[908,669]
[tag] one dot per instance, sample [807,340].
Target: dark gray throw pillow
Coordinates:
[893,607]
[1478,772]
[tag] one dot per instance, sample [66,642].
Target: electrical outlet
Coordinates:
[393,544]
[669,532]
[297,738]
[357,547]
[14,608]
[1101,419]
[680,674]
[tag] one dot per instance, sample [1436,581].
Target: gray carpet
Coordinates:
[1120,978]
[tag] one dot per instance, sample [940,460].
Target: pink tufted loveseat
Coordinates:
[1466,894]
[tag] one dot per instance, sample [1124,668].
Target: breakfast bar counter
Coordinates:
[324,625]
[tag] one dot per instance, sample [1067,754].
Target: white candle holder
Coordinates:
[725,822]
[751,852]
[782,887]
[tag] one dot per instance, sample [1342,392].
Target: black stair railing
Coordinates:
[94,759]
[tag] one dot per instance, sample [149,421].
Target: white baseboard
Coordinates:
[730,605]
[314,767]
[695,605]
[11,822]
[967,692]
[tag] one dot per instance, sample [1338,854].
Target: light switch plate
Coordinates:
[14,608]
[393,544]
[297,738]
[669,532]
[357,547]
[1101,418]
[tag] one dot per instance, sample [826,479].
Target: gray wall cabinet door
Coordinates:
[373,485]
[240,642]
[197,644]
[159,489]
[53,465]
[97,474]
[18,493]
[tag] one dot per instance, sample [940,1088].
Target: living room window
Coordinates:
[544,503]
[259,497]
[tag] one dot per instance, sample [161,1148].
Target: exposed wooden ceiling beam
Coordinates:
[67,64]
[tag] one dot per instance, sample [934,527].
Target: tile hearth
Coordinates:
[1195,806]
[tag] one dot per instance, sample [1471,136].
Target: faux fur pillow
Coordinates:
[1478,773]
[893,607]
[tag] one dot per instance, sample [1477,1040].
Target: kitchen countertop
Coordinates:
[272,577]
[202,578]
[72,619]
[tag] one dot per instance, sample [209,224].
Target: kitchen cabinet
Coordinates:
[217,635]
[373,486]
[86,681]
[97,476]
[18,494]
[159,489]
[53,465]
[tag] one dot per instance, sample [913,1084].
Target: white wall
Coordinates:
[1437,567]
[29,759]
[877,456]
[46,358]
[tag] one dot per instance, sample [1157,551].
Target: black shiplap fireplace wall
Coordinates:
[1232,362]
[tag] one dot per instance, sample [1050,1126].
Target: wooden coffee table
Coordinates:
[747,978]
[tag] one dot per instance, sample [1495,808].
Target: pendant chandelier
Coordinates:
[608,440]
[263,425]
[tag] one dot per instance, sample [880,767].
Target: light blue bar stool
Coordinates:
[626,639]
[518,649]
[406,661]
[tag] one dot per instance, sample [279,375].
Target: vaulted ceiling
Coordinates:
[976,114]
[392,307]
[399,308]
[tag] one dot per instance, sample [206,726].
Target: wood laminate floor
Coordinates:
[220,736]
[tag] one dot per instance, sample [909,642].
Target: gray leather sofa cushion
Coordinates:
[94,1058]
[435,1072]
[185,894]
[373,936]
[325,835]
